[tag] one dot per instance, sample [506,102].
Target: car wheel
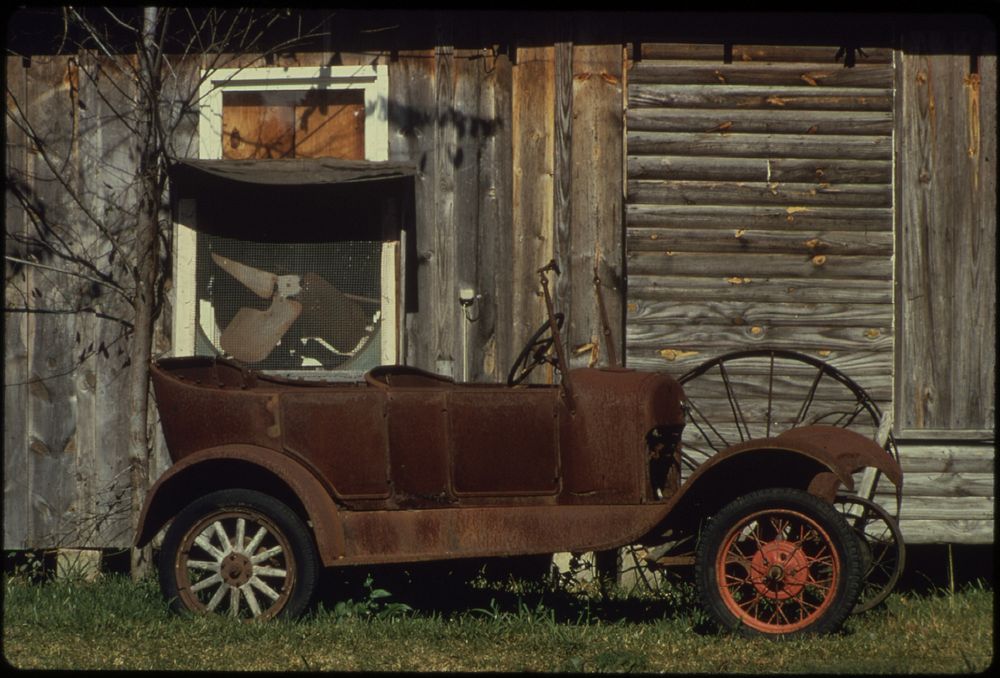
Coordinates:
[240,553]
[778,562]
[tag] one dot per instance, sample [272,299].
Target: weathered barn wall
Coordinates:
[945,372]
[501,190]
[766,202]
[736,237]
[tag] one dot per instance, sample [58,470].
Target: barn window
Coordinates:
[288,229]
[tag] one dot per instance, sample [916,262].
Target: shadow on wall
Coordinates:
[932,567]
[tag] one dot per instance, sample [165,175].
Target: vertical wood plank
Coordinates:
[596,202]
[533,132]
[563,174]
[18,280]
[470,136]
[492,332]
[445,300]
[947,237]
[412,112]
[52,91]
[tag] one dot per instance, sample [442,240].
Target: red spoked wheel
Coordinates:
[778,562]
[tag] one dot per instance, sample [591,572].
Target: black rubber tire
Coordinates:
[782,576]
[282,562]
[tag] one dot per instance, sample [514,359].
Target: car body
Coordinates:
[408,466]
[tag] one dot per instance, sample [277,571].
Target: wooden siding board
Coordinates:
[444,305]
[17,294]
[492,331]
[729,120]
[533,123]
[760,265]
[563,184]
[759,216]
[759,241]
[772,290]
[814,171]
[597,194]
[948,237]
[817,54]
[412,114]
[759,73]
[741,145]
[694,192]
[778,98]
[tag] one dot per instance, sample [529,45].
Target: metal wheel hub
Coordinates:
[780,570]
[236,569]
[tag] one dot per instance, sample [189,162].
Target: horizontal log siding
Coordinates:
[759,206]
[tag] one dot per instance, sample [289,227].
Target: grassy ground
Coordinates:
[477,626]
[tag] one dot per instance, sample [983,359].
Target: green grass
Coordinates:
[117,624]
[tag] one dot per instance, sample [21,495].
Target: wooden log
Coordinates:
[729,313]
[865,367]
[940,508]
[773,289]
[761,73]
[760,265]
[831,243]
[729,121]
[694,192]
[731,217]
[947,458]
[815,171]
[840,146]
[947,531]
[722,339]
[762,98]
[818,54]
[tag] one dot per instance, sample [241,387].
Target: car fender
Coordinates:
[193,475]
[830,455]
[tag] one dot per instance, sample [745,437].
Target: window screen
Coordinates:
[290,306]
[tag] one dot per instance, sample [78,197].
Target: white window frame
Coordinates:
[373,81]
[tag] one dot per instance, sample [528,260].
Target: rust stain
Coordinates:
[776,101]
[972,84]
[633,307]
[809,79]
[737,280]
[274,430]
[720,77]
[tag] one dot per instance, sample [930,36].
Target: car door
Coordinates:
[504,441]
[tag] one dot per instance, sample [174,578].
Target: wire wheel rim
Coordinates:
[778,571]
[884,553]
[710,431]
[235,562]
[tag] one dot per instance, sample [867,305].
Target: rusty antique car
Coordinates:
[275,478]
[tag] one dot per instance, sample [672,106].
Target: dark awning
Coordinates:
[188,177]
[301,199]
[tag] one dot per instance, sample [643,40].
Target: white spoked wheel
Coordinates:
[239,553]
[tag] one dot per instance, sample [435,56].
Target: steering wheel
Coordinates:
[534,352]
